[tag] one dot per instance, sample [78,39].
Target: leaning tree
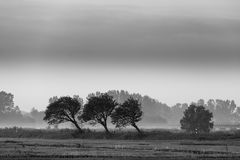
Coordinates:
[98,108]
[64,109]
[128,113]
[197,120]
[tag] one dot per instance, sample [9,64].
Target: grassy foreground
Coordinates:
[36,149]
[64,144]
[157,134]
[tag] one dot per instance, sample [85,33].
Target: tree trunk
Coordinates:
[136,127]
[106,129]
[77,126]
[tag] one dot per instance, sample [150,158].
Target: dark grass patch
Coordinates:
[195,151]
[10,141]
[118,135]
[203,144]
[70,157]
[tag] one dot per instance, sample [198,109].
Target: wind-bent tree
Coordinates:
[64,109]
[196,120]
[128,113]
[98,108]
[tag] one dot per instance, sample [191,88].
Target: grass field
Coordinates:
[149,134]
[26,148]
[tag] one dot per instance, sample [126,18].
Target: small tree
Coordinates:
[129,113]
[98,109]
[6,102]
[196,120]
[64,109]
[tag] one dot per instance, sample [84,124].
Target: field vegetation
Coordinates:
[148,134]
[21,148]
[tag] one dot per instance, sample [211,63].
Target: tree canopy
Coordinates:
[64,109]
[6,101]
[196,119]
[128,113]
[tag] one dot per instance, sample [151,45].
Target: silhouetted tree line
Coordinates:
[102,106]
[97,110]
[155,112]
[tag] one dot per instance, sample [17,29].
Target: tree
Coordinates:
[98,108]
[6,102]
[154,111]
[128,113]
[64,109]
[196,120]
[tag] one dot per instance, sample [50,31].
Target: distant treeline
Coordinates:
[156,114]
[11,115]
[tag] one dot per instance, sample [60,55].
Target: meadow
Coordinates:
[29,148]
[38,144]
[126,134]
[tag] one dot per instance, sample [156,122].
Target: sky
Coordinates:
[173,51]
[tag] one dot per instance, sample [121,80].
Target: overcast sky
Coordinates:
[172,50]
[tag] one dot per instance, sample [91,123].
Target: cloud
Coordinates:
[120,33]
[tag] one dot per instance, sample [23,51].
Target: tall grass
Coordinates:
[156,134]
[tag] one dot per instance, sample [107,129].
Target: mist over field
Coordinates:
[156,115]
